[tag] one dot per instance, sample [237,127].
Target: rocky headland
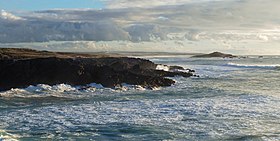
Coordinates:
[20,68]
[215,54]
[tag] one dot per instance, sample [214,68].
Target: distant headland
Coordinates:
[215,54]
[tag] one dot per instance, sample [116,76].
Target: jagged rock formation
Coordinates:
[23,67]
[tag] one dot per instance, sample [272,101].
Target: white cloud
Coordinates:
[185,25]
[147,3]
[163,18]
[9,16]
[206,46]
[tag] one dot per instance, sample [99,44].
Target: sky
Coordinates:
[30,5]
[231,26]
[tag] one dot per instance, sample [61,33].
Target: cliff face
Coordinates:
[18,71]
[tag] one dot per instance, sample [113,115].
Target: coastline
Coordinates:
[24,67]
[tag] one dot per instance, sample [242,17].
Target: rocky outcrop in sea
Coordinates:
[215,54]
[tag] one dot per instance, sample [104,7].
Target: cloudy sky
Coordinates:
[234,26]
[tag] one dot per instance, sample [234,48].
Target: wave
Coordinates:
[4,136]
[264,66]
[163,67]
[65,90]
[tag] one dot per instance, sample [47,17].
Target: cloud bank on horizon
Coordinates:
[237,26]
[148,3]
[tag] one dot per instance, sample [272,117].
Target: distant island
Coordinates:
[20,68]
[215,54]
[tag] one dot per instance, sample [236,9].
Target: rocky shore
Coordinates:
[20,68]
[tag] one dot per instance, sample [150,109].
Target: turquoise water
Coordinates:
[234,99]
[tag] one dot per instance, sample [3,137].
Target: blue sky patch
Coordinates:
[30,5]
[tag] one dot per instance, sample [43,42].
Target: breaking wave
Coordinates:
[4,136]
[65,90]
[264,66]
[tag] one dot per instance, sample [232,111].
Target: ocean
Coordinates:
[233,99]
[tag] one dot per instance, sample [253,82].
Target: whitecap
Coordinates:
[4,136]
[162,67]
[127,87]
[55,88]
[265,66]
[65,90]
[40,90]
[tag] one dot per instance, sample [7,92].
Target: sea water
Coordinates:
[233,99]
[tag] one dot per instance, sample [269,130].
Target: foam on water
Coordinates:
[56,88]
[265,66]
[212,118]
[126,87]
[4,136]
[68,91]
[40,90]
[162,67]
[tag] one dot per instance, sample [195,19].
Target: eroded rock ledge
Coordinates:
[20,68]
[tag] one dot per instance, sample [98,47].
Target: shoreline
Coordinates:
[21,68]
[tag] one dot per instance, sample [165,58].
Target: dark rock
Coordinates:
[179,68]
[215,54]
[19,71]
[176,68]
[190,70]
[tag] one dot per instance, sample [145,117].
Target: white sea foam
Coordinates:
[65,90]
[4,136]
[55,88]
[127,87]
[40,90]
[185,115]
[162,67]
[254,65]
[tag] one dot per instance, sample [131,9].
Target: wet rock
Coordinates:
[176,68]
